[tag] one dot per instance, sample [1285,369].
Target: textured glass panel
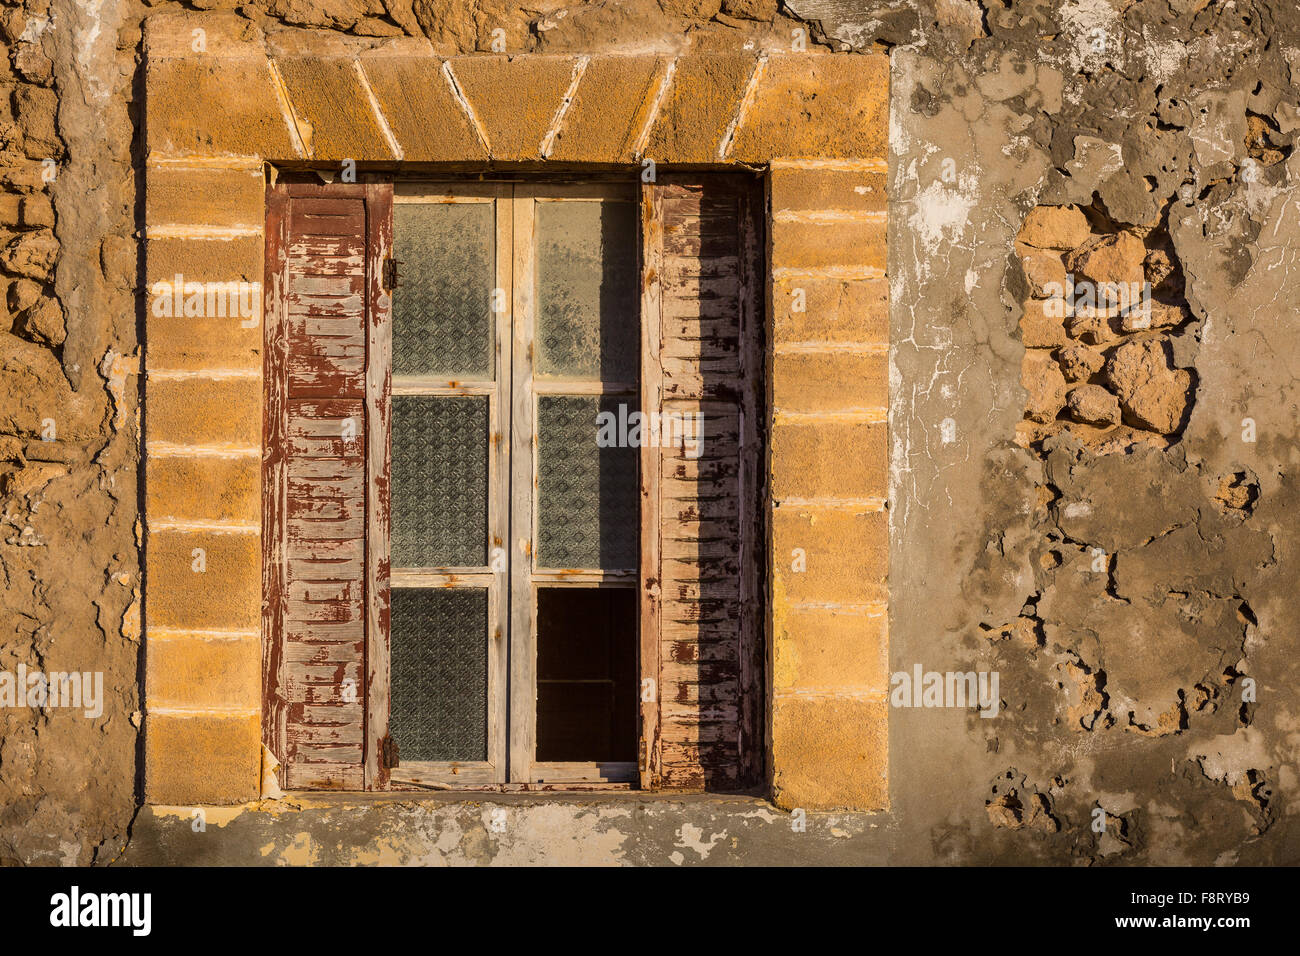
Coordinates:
[440,481]
[439,673]
[586,495]
[442,318]
[587,299]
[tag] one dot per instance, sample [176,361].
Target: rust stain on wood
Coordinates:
[325,480]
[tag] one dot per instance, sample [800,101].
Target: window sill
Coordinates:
[514,794]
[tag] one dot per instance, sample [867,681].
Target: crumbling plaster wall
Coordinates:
[1125,606]
[1122,688]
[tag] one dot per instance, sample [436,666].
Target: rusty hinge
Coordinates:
[388,757]
[390,274]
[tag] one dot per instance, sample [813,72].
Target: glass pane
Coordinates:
[586,673]
[438,709]
[586,495]
[440,481]
[587,300]
[442,306]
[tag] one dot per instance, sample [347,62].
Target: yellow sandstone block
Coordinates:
[830,753]
[829,459]
[202,758]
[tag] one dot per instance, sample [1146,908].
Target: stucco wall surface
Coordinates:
[1132,596]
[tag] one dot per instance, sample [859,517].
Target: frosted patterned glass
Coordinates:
[587,298]
[442,306]
[438,708]
[439,482]
[587,496]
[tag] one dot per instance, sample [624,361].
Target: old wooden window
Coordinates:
[574,585]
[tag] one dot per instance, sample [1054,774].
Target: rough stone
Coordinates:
[1159,315]
[750,9]
[1046,385]
[1044,271]
[1054,227]
[35,109]
[32,255]
[1093,405]
[1109,261]
[1040,330]
[1095,326]
[1079,363]
[23,294]
[43,324]
[37,212]
[1152,393]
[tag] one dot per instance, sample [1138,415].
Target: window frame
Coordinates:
[513,464]
[649,770]
[494,769]
[526,577]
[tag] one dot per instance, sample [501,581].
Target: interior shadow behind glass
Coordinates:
[586,674]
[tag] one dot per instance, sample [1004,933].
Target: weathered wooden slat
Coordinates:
[326,307]
[699,651]
[320,775]
[695,588]
[316,632]
[688,757]
[379,244]
[323,591]
[704,639]
[720,716]
[299,675]
[329,715]
[326,508]
[321,416]
[327,339]
[684,269]
[305,733]
[323,284]
[316,381]
[310,550]
[713,673]
[328,753]
[323,611]
[325,529]
[328,217]
[314,248]
[302,652]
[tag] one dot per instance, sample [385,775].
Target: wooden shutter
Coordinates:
[701,525]
[325,484]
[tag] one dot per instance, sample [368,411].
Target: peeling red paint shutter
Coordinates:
[701,528]
[325,484]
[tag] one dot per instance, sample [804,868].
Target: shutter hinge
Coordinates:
[390,274]
[388,756]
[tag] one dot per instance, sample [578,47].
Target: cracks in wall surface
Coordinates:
[1126,686]
[1125,573]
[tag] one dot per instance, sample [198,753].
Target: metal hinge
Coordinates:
[388,757]
[390,274]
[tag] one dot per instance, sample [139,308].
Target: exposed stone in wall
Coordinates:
[1106,534]
[1104,306]
[70,172]
[1123,674]
[69,563]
